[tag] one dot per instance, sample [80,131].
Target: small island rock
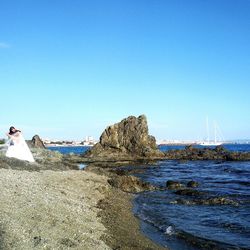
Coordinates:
[126,139]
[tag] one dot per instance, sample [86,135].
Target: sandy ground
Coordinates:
[51,210]
[123,227]
[66,210]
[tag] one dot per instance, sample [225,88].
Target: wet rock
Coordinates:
[217,153]
[183,202]
[217,201]
[120,171]
[189,148]
[173,184]
[189,192]
[209,201]
[192,184]
[219,149]
[130,184]
[126,139]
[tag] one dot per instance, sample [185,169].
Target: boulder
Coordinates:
[215,201]
[173,184]
[36,142]
[218,201]
[126,139]
[192,184]
[130,184]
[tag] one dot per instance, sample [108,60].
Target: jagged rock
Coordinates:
[214,201]
[173,184]
[192,184]
[126,139]
[170,184]
[217,153]
[130,184]
[218,201]
[36,142]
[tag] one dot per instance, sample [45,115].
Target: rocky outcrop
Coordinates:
[174,184]
[36,142]
[44,160]
[192,184]
[217,153]
[212,201]
[130,184]
[128,139]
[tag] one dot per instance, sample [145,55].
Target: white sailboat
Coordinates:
[209,142]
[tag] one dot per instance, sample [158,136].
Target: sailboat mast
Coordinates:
[208,139]
[215,133]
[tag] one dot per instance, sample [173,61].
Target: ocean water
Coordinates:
[181,221]
[82,149]
[70,149]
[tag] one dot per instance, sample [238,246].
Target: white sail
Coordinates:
[209,142]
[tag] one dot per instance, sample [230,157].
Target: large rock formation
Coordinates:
[126,139]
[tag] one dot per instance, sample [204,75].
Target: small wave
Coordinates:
[203,243]
[229,226]
[236,171]
[169,230]
[239,182]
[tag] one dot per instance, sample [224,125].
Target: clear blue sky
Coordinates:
[70,68]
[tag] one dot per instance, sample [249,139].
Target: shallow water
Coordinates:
[189,227]
[201,226]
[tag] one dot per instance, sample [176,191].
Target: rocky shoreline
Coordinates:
[52,205]
[190,153]
[217,153]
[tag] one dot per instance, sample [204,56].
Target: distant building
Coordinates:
[89,141]
[176,142]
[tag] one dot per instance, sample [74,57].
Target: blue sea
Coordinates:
[191,226]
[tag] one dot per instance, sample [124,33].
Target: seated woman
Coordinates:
[18,147]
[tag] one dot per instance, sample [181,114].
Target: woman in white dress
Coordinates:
[18,147]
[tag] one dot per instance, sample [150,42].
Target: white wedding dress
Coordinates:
[18,148]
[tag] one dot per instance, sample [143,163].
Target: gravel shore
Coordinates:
[51,210]
[63,208]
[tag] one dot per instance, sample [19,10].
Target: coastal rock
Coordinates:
[130,184]
[173,184]
[217,153]
[36,142]
[217,201]
[44,160]
[192,184]
[214,201]
[189,192]
[126,139]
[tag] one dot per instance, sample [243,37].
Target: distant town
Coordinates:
[90,141]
